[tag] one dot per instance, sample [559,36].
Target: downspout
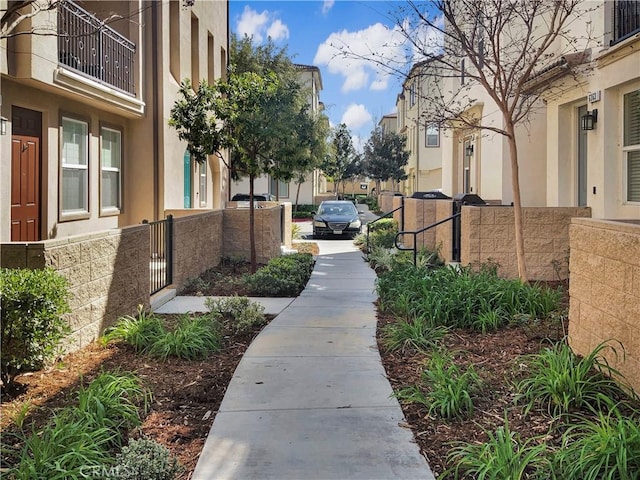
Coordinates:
[227,76]
[417,182]
[156,108]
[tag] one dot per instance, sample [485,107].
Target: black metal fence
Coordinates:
[626,19]
[89,46]
[161,258]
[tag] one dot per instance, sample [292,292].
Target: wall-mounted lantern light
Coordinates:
[468,150]
[3,126]
[588,121]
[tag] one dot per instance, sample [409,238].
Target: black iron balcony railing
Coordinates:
[626,19]
[87,45]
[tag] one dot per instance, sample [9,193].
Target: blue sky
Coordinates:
[354,92]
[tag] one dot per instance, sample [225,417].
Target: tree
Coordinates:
[513,51]
[337,164]
[261,117]
[385,156]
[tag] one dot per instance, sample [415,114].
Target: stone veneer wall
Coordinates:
[108,275]
[417,215]
[604,290]
[197,243]
[235,233]
[488,232]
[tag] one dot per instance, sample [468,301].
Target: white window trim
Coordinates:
[111,210]
[75,214]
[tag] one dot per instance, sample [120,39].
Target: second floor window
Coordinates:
[432,136]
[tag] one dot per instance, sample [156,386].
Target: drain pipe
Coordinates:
[156,108]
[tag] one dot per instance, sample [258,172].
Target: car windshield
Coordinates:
[346,208]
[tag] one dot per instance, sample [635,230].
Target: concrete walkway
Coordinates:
[309,399]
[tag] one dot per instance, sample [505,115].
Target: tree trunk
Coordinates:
[295,207]
[517,204]
[252,236]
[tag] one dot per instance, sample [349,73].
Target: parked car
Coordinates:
[336,217]
[257,197]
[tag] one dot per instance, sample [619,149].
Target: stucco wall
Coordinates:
[604,291]
[108,275]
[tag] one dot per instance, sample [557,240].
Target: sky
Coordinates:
[355,92]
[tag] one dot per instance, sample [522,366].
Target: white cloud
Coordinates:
[261,25]
[369,58]
[278,30]
[327,5]
[356,116]
[365,58]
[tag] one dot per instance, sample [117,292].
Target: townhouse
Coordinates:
[87,88]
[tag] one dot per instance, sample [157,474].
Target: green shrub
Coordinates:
[32,304]
[416,334]
[383,225]
[282,276]
[445,389]
[456,298]
[111,400]
[140,331]
[146,459]
[607,447]
[240,313]
[560,381]
[67,447]
[505,457]
[77,440]
[193,338]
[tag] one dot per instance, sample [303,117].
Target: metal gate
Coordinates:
[160,261]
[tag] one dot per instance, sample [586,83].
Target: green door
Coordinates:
[187,179]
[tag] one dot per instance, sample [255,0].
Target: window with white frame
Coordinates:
[111,169]
[413,96]
[74,159]
[432,136]
[203,184]
[631,145]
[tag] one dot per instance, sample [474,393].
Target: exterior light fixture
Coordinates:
[468,150]
[588,121]
[3,126]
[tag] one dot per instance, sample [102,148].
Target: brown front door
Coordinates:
[25,176]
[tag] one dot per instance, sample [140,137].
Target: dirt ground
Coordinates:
[187,394]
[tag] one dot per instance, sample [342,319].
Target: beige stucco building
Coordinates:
[424,168]
[598,165]
[86,107]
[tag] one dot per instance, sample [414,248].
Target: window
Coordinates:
[412,95]
[203,184]
[283,190]
[74,183]
[631,144]
[432,136]
[111,170]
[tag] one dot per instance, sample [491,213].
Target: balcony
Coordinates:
[88,46]
[626,20]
